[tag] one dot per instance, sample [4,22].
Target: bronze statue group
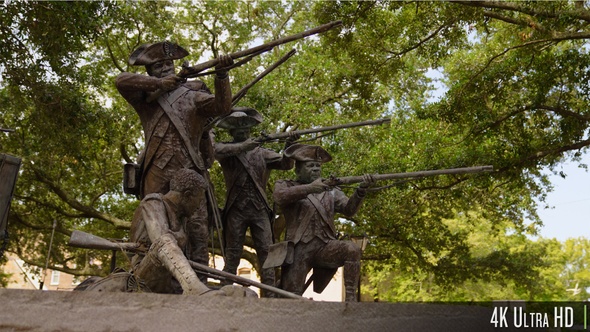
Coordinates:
[177,204]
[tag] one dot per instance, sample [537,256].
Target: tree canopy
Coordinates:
[465,83]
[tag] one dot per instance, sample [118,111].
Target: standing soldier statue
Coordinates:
[309,206]
[246,168]
[173,126]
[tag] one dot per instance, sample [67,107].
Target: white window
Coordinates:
[54,278]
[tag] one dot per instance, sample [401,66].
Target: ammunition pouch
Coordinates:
[132,179]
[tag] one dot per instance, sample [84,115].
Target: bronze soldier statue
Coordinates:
[159,243]
[173,126]
[158,224]
[309,206]
[246,168]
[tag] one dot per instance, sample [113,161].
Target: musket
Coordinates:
[190,72]
[334,181]
[240,94]
[212,201]
[80,239]
[284,135]
[242,281]
[187,72]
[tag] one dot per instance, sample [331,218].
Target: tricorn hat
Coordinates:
[303,152]
[148,54]
[240,117]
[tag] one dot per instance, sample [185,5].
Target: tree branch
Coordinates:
[510,20]
[213,38]
[544,153]
[16,217]
[557,110]
[335,97]
[112,56]
[86,210]
[563,112]
[420,43]
[489,62]
[511,6]
[51,206]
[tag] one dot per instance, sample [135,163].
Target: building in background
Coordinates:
[21,277]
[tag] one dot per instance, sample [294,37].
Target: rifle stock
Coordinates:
[85,240]
[333,181]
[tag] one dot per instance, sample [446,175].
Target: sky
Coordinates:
[570,199]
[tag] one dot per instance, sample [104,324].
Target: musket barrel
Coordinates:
[413,175]
[243,281]
[242,92]
[185,72]
[284,135]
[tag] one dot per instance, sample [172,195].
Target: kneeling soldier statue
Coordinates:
[159,224]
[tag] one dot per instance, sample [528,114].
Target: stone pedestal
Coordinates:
[34,310]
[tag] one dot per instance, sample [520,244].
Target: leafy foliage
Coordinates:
[464,83]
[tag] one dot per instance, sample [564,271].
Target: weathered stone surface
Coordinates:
[33,310]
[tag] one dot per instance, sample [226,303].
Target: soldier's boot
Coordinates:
[352,272]
[268,278]
[174,260]
[232,260]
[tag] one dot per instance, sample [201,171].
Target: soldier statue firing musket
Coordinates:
[309,204]
[246,169]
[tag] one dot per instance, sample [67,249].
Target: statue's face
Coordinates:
[162,68]
[309,171]
[240,134]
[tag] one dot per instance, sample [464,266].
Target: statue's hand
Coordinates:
[293,137]
[224,61]
[169,83]
[318,186]
[368,181]
[249,144]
